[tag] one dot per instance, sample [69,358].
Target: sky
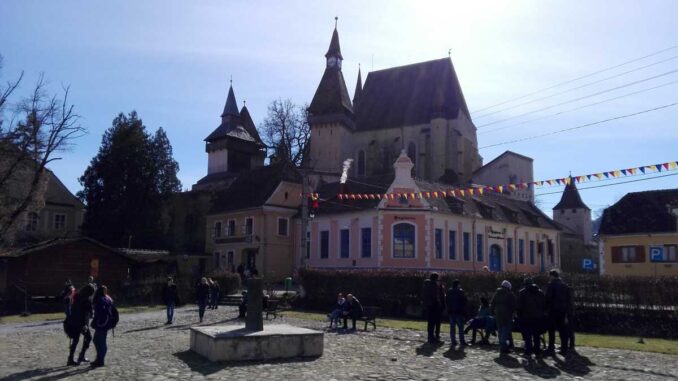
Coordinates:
[171,61]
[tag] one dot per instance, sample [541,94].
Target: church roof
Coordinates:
[410,95]
[358,90]
[234,124]
[248,123]
[334,50]
[571,198]
[332,97]
[641,212]
[231,106]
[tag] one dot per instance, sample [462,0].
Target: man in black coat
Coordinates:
[530,309]
[433,299]
[456,309]
[77,323]
[559,310]
[351,309]
[170,297]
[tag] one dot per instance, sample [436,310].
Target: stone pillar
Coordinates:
[255,320]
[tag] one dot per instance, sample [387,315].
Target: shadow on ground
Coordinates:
[541,369]
[455,354]
[47,374]
[205,367]
[574,364]
[427,349]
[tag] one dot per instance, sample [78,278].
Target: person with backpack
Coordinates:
[456,309]
[559,312]
[169,297]
[202,296]
[503,306]
[530,310]
[105,319]
[77,323]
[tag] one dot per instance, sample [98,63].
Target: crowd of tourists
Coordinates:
[532,313]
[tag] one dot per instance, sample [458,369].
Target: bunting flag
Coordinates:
[614,174]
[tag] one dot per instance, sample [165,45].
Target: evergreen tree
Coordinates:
[127,184]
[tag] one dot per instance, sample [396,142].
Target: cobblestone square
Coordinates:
[145,349]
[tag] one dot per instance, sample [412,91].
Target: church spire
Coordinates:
[231,107]
[358,89]
[334,49]
[571,198]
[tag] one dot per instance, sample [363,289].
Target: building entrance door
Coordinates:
[251,258]
[495,258]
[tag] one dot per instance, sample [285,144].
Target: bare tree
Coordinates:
[40,126]
[287,131]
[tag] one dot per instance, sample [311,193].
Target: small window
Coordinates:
[59,222]
[344,242]
[231,258]
[452,248]
[509,250]
[231,228]
[628,254]
[249,224]
[479,248]
[439,243]
[531,252]
[467,246]
[403,240]
[366,242]
[670,253]
[282,226]
[32,222]
[521,251]
[324,244]
[217,229]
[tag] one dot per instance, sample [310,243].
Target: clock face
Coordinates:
[331,61]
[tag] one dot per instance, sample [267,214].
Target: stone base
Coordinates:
[235,343]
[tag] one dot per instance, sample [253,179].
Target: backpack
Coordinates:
[115,317]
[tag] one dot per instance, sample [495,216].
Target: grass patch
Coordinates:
[582,339]
[18,319]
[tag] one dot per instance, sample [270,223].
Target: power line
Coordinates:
[578,108]
[580,126]
[610,185]
[573,88]
[583,97]
[578,78]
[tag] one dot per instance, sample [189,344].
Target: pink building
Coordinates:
[444,234]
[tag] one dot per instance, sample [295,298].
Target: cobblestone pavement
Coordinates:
[145,349]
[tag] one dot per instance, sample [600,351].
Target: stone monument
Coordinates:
[254,340]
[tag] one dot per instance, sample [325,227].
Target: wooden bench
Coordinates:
[370,317]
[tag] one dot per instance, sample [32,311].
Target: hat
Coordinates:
[506,284]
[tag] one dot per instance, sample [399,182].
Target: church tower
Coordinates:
[573,213]
[331,115]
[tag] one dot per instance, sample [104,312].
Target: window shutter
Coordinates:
[616,254]
[640,254]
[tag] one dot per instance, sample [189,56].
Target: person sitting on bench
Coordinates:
[353,309]
[484,321]
[337,312]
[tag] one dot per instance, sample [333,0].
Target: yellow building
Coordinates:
[639,235]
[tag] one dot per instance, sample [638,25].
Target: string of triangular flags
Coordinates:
[480,190]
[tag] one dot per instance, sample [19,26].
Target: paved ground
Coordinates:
[144,349]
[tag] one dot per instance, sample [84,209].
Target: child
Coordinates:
[336,313]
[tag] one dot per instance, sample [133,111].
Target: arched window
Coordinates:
[361,163]
[32,222]
[217,229]
[403,240]
[412,152]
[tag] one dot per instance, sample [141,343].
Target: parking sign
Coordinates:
[587,264]
[657,253]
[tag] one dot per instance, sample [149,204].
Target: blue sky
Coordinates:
[171,61]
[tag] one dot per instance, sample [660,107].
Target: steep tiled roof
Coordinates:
[641,212]
[334,50]
[253,188]
[331,97]
[571,198]
[410,95]
[248,123]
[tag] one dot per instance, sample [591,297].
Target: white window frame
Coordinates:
[250,218]
[287,227]
[228,228]
[63,227]
[393,240]
[349,244]
[214,228]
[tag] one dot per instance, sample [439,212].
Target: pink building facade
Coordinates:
[479,233]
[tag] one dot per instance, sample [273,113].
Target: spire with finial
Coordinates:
[334,49]
[449,53]
[231,107]
[358,90]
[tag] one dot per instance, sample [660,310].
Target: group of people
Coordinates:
[532,313]
[346,308]
[208,294]
[247,272]
[88,307]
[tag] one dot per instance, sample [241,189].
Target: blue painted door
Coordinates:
[495,258]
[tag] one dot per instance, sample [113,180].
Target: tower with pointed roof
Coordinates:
[331,115]
[233,147]
[572,213]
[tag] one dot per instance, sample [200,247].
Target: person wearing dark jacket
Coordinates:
[216,294]
[559,310]
[456,309]
[503,306]
[66,296]
[433,299]
[202,296]
[170,297]
[77,323]
[102,323]
[351,309]
[530,310]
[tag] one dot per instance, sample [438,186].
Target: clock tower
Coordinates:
[331,115]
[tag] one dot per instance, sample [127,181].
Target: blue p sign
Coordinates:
[657,253]
[587,264]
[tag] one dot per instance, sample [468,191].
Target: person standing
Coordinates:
[102,323]
[456,309]
[503,306]
[216,293]
[77,323]
[66,296]
[433,299]
[169,297]
[351,309]
[202,296]
[559,310]
[530,310]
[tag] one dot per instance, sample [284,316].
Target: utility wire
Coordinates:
[580,98]
[577,108]
[577,78]
[580,126]
[572,89]
[610,185]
